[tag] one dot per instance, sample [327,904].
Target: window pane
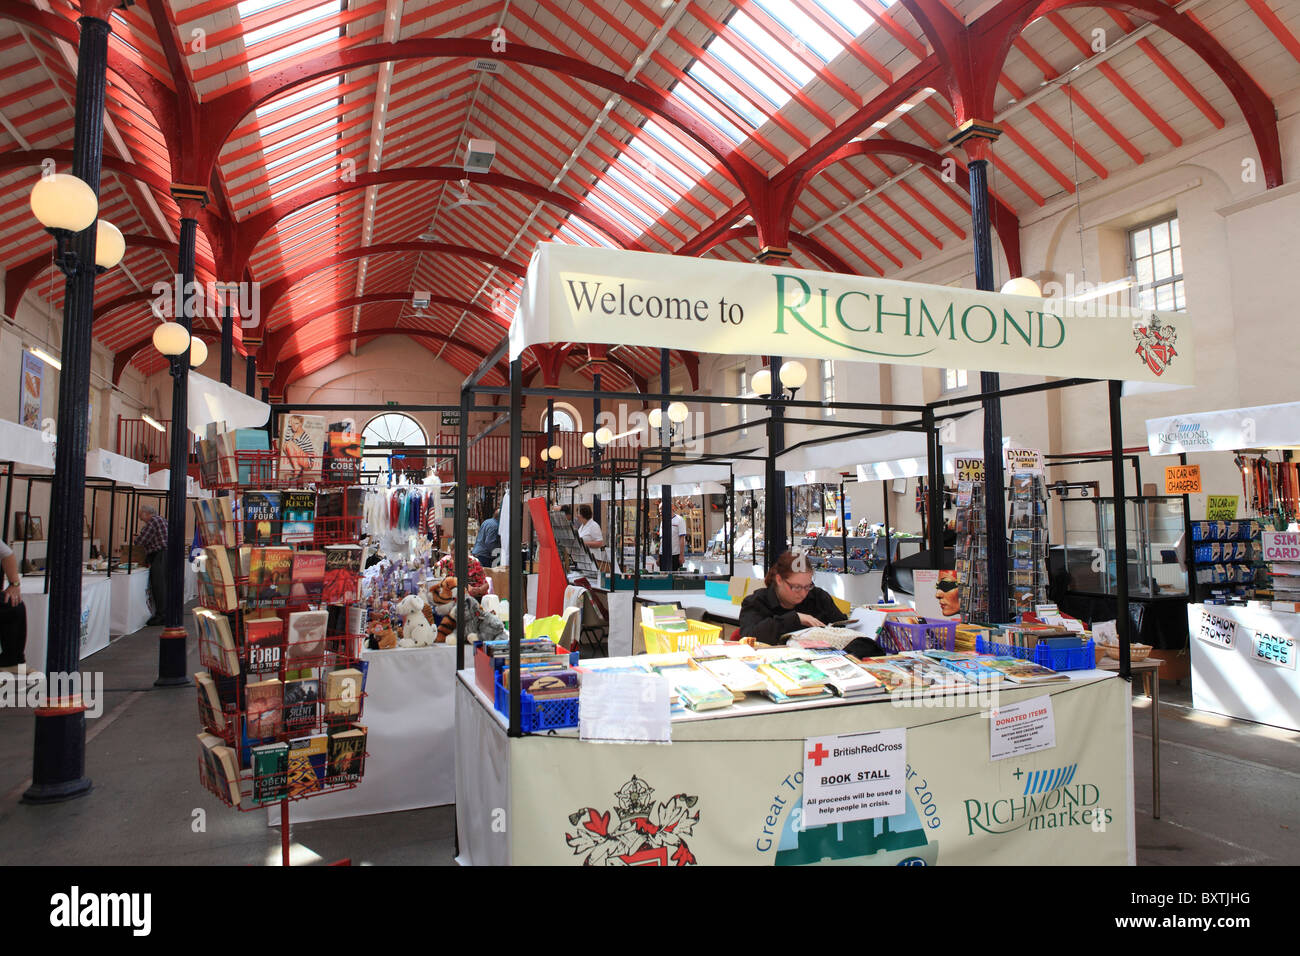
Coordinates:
[1173,232]
[1146,299]
[1144,271]
[1178,261]
[1141,243]
[1160,236]
[1165,297]
[1164,264]
[1180,300]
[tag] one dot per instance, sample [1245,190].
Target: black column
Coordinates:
[250,376]
[227,342]
[666,495]
[171,643]
[460,522]
[775,526]
[595,454]
[995,509]
[1122,623]
[59,757]
[518,589]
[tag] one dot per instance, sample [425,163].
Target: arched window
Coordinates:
[390,430]
[566,419]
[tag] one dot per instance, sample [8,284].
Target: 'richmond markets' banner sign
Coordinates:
[583,294]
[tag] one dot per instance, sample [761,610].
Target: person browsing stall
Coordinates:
[589,531]
[789,601]
[152,539]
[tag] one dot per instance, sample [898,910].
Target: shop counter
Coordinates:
[1244,663]
[410,743]
[728,789]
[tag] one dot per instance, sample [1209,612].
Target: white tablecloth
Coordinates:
[130,601]
[96,612]
[409,717]
[1231,676]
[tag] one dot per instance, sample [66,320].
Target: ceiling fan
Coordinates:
[464,199]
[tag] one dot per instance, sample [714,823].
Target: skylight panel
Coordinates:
[293,49]
[299,94]
[757,80]
[719,122]
[272,30]
[727,93]
[297,118]
[851,16]
[597,200]
[632,186]
[803,28]
[780,57]
[650,161]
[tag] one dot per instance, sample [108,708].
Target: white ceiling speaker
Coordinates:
[420,300]
[479,155]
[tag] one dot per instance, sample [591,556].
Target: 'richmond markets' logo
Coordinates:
[1186,434]
[1051,801]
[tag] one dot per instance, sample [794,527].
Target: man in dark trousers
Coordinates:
[153,540]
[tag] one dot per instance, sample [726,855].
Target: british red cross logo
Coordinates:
[818,754]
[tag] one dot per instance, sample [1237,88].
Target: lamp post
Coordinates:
[67,205]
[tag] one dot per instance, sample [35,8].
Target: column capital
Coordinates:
[774,254]
[976,137]
[190,198]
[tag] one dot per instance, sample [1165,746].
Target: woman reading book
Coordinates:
[789,601]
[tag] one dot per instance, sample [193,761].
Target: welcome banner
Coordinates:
[585,294]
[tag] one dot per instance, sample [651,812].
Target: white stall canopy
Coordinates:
[1260,426]
[210,401]
[593,294]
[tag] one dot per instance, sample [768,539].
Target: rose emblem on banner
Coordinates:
[1155,344]
[638,832]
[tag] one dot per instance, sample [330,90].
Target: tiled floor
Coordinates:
[1230,791]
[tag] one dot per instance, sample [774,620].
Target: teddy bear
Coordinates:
[416,631]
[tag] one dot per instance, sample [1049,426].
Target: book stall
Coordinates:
[966,743]
[1245,555]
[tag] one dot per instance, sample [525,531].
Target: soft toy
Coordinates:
[387,639]
[416,631]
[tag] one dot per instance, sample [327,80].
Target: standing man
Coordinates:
[13,615]
[153,539]
[487,546]
[678,541]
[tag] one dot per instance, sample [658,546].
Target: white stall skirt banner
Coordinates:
[409,716]
[96,613]
[130,601]
[1244,663]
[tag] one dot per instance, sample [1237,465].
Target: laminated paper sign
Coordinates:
[969,469]
[854,777]
[1183,480]
[1220,507]
[1221,631]
[1281,545]
[1022,728]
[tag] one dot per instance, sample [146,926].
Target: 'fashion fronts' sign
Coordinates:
[599,295]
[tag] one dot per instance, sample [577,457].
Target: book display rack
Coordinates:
[282,693]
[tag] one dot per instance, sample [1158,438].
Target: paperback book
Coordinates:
[261,517]
[298,511]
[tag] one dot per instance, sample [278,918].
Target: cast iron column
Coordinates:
[518,590]
[171,643]
[250,371]
[1122,623]
[666,492]
[775,530]
[59,757]
[227,341]
[976,137]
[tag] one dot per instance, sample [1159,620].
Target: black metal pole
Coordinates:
[227,342]
[935,501]
[844,528]
[171,643]
[518,584]
[59,751]
[889,545]
[1122,623]
[666,490]
[1189,550]
[460,525]
[774,495]
[250,376]
[112,518]
[995,501]
[595,459]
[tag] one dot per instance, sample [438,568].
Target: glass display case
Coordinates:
[1155,523]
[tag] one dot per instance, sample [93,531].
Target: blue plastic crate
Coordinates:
[1063,659]
[536,716]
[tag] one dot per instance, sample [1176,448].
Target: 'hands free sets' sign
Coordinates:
[582,294]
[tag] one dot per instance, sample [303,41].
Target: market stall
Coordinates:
[1245,557]
[96,616]
[998,802]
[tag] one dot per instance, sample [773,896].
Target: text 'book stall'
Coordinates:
[948,729]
